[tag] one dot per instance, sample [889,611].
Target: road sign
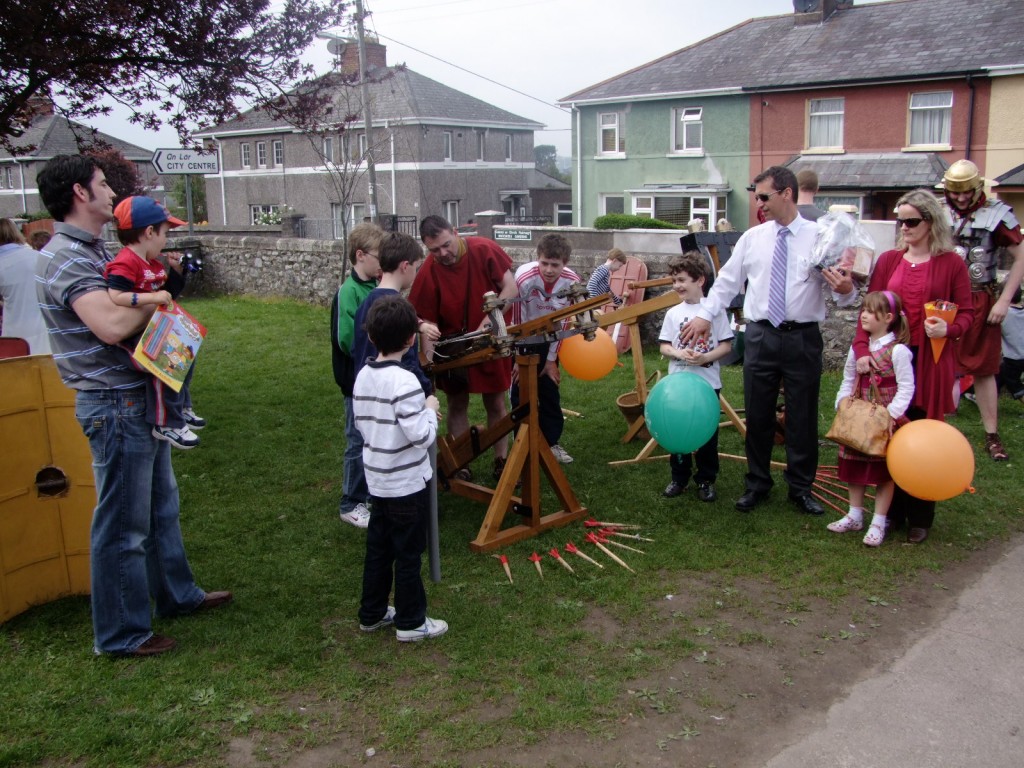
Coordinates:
[185,161]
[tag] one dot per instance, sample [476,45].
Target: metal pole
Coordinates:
[433,534]
[364,96]
[188,203]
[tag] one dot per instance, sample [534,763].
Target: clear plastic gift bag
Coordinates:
[842,242]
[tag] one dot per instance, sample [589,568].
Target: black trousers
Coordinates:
[707,462]
[792,359]
[915,512]
[549,397]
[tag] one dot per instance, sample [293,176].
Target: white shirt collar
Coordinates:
[889,337]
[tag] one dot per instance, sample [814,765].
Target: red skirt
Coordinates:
[859,469]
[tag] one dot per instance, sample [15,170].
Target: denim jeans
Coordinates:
[136,547]
[353,487]
[395,541]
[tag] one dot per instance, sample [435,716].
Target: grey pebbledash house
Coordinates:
[436,151]
[53,135]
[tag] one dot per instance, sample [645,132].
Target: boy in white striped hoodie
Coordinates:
[398,423]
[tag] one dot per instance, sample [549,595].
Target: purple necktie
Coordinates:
[777,284]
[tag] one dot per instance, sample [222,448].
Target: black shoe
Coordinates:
[673,489]
[706,492]
[807,503]
[750,499]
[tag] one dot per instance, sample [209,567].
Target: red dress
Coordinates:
[946,279]
[452,298]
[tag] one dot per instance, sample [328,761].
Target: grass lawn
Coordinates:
[286,668]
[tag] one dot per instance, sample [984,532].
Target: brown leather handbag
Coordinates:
[863,425]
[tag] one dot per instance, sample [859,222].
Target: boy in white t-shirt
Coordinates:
[689,273]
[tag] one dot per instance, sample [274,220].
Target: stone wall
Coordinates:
[311,270]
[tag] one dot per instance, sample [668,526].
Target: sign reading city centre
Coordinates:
[185,161]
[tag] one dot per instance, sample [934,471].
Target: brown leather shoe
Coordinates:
[156,645]
[917,535]
[215,600]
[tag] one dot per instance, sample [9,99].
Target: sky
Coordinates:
[523,55]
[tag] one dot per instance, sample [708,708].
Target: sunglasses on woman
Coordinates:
[908,223]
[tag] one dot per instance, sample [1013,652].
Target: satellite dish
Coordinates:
[336,45]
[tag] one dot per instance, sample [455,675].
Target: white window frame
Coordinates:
[328,149]
[261,154]
[643,205]
[606,198]
[9,173]
[450,210]
[337,219]
[277,147]
[356,214]
[826,124]
[684,118]
[611,123]
[244,154]
[362,146]
[481,146]
[449,145]
[563,214]
[706,205]
[259,210]
[508,148]
[941,113]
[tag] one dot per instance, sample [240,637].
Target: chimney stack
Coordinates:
[817,11]
[348,56]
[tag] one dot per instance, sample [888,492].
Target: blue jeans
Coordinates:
[353,486]
[136,547]
[395,541]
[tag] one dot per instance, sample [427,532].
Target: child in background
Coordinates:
[397,423]
[600,281]
[539,282]
[399,258]
[363,247]
[882,318]
[136,278]
[1011,370]
[689,272]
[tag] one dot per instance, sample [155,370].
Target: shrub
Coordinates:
[627,221]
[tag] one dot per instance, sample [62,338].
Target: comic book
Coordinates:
[168,345]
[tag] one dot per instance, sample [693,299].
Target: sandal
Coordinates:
[844,524]
[463,474]
[875,535]
[994,446]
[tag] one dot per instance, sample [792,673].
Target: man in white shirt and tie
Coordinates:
[782,345]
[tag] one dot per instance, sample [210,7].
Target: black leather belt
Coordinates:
[788,325]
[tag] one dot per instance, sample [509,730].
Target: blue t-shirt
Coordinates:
[364,350]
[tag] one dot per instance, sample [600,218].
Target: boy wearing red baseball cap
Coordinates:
[136,277]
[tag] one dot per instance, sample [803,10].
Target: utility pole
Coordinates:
[364,95]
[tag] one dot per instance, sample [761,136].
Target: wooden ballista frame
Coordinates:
[530,453]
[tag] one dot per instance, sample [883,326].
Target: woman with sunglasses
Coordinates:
[922,268]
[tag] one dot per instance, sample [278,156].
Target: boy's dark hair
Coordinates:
[56,182]
[390,322]
[396,247]
[432,226]
[691,262]
[555,246]
[129,236]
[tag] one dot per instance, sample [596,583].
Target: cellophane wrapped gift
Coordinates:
[842,242]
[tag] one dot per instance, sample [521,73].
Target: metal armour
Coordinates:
[975,241]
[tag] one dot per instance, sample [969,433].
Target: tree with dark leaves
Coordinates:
[182,63]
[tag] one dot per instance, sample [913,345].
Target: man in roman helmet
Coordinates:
[982,230]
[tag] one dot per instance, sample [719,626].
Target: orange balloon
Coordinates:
[931,460]
[588,360]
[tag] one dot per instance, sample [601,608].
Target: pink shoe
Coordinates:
[875,535]
[844,524]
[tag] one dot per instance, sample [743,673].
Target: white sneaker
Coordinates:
[183,438]
[387,621]
[359,516]
[560,455]
[193,419]
[429,628]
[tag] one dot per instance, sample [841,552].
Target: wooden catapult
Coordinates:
[530,453]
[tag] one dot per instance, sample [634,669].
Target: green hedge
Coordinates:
[627,221]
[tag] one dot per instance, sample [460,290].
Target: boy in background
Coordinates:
[601,280]
[137,278]
[538,282]
[363,247]
[398,423]
[689,272]
[399,257]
